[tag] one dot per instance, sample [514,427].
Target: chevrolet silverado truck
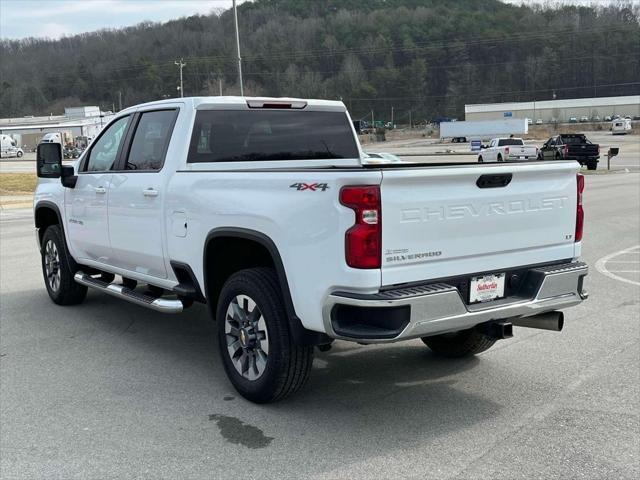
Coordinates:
[263,210]
[507,149]
[571,146]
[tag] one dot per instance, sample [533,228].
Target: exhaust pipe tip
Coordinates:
[553,321]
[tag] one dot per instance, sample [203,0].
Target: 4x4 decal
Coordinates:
[314,187]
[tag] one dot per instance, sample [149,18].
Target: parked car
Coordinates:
[507,149]
[539,121]
[529,121]
[607,118]
[263,210]
[573,120]
[573,146]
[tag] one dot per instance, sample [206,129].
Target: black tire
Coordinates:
[557,156]
[57,269]
[499,158]
[459,344]
[592,165]
[480,160]
[18,154]
[286,365]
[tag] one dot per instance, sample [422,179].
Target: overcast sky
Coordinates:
[56,18]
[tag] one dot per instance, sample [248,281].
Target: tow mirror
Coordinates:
[49,160]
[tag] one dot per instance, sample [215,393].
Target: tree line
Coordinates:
[423,58]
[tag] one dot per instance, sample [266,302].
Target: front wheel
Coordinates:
[258,352]
[459,344]
[592,165]
[58,276]
[499,158]
[480,160]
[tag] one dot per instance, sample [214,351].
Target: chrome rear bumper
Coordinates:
[424,310]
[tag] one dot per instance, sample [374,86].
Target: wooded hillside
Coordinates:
[429,57]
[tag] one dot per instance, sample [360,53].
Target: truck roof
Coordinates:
[202,102]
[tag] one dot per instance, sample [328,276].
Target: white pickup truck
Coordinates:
[263,210]
[507,149]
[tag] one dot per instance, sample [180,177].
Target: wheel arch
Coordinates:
[45,215]
[221,244]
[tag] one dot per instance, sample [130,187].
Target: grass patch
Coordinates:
[17,183]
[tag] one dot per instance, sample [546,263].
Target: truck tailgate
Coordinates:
[437,222]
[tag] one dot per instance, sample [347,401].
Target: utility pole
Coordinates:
[391,116]
[119,100]
[410,122]
[220,85]
[181,65]
[235,19]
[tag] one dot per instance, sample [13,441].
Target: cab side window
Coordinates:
[105,150]
[151,140]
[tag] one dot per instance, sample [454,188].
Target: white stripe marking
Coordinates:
[602,268]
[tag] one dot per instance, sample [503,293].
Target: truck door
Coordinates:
[86,204]
[136,221]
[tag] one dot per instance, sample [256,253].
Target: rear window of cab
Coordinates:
[261,135]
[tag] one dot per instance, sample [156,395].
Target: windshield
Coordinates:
[510,141]
[254,135]
[574,139]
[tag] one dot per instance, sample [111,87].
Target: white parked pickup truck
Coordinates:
[507,149]
[263,210]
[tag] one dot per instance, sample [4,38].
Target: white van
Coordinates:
[620,126]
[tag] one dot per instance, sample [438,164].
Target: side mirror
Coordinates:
[67,176]
[49,160]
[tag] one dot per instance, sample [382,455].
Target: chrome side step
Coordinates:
[158,304]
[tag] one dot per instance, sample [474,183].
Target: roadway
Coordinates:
[111,390]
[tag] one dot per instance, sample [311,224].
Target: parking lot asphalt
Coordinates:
[111,390]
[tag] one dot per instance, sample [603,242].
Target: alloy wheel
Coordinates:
[52,265]
[247,337]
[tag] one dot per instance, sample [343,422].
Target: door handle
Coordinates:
[150,192]
[100,190]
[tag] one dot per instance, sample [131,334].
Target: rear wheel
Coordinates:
[459,344]
[499,157]
[592,165]
[258,352]
[19,154]
[58,276]
[480,160]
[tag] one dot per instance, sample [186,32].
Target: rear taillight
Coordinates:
[506,150]
[598,149]
[565,151]
[579,209]
[363,241]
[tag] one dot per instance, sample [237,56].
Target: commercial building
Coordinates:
[557,110]
[85,122]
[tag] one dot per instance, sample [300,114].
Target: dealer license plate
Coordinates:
[486,288]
